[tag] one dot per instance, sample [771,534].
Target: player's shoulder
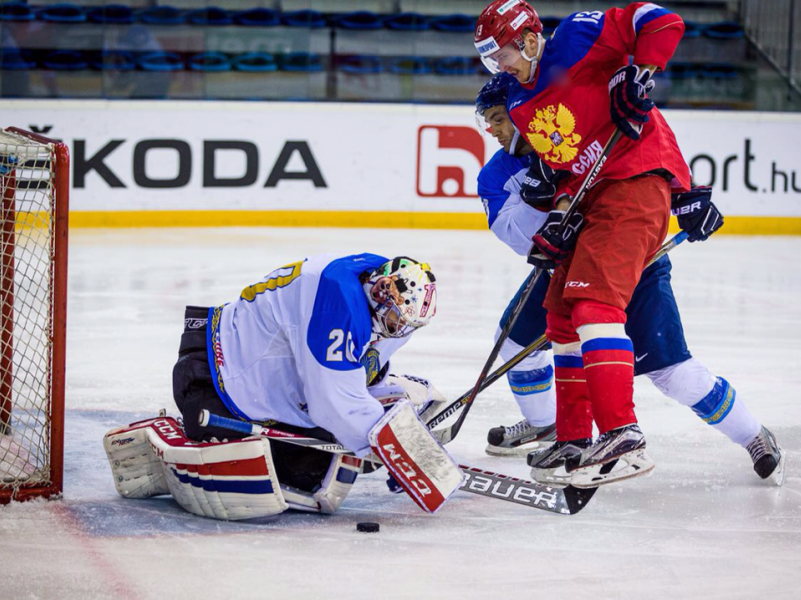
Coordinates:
[499,169]
[340,324]
[575,36]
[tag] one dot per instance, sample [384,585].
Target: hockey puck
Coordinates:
[367,527]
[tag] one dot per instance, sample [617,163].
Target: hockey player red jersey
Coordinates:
[564,112]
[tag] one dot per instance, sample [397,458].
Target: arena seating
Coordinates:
[370,49]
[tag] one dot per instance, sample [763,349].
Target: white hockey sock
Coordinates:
[531,382]
[712,398]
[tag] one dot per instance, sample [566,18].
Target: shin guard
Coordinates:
[608,363]
[573,410]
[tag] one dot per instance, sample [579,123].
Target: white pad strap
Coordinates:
[421,466]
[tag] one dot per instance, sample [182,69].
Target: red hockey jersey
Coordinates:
[564,112]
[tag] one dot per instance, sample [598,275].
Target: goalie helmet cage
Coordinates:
[34,181]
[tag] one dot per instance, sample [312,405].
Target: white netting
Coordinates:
[26,224]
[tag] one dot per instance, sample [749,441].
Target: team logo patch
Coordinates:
[552,134]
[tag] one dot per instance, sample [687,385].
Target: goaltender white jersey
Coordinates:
[296,348]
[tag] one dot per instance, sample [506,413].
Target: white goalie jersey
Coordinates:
[290,348]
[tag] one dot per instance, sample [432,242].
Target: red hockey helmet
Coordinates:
[503,22]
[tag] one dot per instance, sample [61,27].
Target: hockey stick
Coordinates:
[446,434]
[531,281]
[563,501]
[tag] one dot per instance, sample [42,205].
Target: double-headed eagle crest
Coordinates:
[551,134]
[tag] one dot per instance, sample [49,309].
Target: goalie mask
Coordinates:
[402,295]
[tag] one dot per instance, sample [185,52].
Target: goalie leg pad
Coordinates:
[421,466]
[230,480]
[223,480]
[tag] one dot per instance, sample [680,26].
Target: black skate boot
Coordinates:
[768,457]
[519,439]
[616,455]
[549,466]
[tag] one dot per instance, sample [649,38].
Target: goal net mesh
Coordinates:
[27,180]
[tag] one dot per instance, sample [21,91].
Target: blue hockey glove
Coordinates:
[550,246]
[539,185]
[629,102]
[696,213]
[393,485]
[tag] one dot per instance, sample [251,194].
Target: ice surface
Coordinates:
[703,525]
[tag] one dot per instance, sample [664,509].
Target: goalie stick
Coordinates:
[446,434]
[563,501]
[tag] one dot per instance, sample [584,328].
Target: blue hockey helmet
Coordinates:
[494,93]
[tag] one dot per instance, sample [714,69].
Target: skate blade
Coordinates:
[522,450]
[636,464]
[557,478]
[779,472]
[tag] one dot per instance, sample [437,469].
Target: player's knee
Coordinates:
[560,329]
[687,382]
[591,312]
[535,360]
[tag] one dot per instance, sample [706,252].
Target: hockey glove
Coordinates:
[539,185]
[629,102]
[552,246]
[696,213]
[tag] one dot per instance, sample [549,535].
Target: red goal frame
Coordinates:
[60,167]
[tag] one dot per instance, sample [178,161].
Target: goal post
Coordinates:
[34,180]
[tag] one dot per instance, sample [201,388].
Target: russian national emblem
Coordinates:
[552,134]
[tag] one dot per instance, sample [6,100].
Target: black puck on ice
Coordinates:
[367,527]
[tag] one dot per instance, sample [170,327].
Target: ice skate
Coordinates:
[519,438]
[549,466]
[617,455]
[768,457]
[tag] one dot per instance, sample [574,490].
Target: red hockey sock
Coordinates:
[573,410]
[608,363]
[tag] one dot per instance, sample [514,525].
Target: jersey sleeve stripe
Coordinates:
[646,14]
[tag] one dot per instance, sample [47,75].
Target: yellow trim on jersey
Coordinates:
[733,225]
[279,278]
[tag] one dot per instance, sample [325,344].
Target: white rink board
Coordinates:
[366,157]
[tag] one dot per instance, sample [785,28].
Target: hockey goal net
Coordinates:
[34,182]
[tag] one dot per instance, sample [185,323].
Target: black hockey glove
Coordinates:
[551,246]
[629,102]
[696,213]
[539,185]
